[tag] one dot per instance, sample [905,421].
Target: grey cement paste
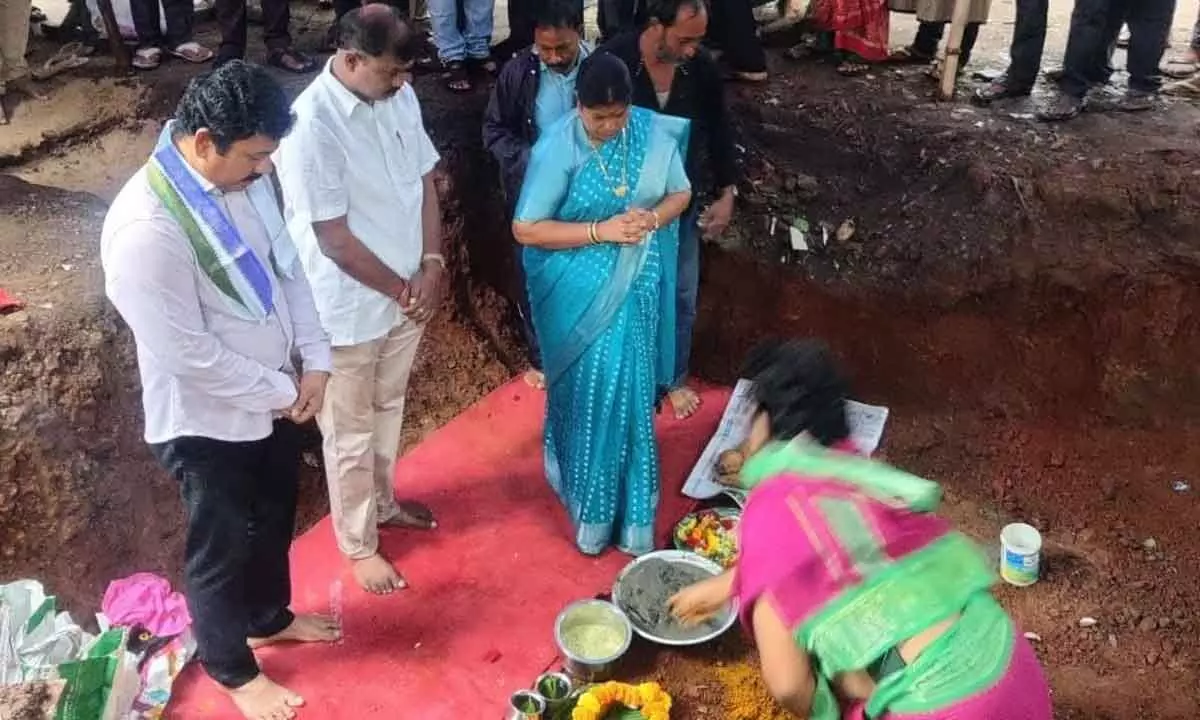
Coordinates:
[646,590]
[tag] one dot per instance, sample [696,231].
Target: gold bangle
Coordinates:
[593,237]
[657,224]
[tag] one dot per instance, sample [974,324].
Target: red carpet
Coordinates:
[478,621]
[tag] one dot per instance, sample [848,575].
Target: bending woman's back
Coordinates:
[863,603]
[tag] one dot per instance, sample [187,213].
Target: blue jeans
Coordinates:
[687,290]
[473,41]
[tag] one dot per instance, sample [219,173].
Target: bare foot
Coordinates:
[263,699]
[412,515]
[685,401]
[304,628]
[376,575]
[535,379]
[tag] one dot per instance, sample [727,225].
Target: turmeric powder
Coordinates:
[745,695]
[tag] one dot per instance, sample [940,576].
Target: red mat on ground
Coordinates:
[477,622]
[9,303]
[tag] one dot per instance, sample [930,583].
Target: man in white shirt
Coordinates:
[197,260]
[357,179]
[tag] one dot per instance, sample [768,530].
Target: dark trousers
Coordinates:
[929,36]
[1149,24]
[1028,43]
[616,16]
[231,19]
[148,22]
[733,29]
[687,290]
[522,293]
[1094,28]
[521,20]
[240,503]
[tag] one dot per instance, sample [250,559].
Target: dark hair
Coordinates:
[667,11]
[798,385]
[377,30]
[603,80]
[559,14]
[234,102]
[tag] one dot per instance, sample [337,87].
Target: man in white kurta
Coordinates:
[357,180]
[197,260]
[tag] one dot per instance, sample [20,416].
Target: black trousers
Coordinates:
[1149,24]
[148,22]
[1028,43]
[929,36]
[1094,28]
[240,503]
[522,297]
[733,29]
[231,19]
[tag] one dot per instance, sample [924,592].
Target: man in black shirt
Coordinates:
[672,74]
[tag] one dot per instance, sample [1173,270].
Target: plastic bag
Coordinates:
[102,683]
[39,645]
[34,639]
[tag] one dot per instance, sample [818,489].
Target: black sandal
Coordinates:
[486,65]
[291,61]
[458,80]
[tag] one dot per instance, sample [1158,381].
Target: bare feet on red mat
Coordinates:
[685,401]
[263,699]
[377,575]
[304,629]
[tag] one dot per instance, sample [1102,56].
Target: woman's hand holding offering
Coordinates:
[697,603]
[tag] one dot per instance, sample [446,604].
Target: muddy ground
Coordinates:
[1024,298]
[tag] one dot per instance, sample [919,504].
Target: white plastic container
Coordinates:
[1020,554]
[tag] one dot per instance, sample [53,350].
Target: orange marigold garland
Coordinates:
[648,698]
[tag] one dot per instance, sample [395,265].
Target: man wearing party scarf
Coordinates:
[198,261]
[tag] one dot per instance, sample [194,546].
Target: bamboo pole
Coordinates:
[958,23]
[115,42]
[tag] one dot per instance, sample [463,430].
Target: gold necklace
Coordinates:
[623,189]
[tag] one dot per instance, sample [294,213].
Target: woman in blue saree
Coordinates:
[598,219]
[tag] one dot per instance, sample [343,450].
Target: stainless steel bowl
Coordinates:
[592,612]
[525,705]
[556,688]
[725,619]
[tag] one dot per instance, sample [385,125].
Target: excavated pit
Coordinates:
[1026,302]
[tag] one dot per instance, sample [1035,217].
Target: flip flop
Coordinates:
[192,52]
[1184,89]
[852,68]
[69,56]
[1181,68]
[458,80]
[908,56]
[301,63]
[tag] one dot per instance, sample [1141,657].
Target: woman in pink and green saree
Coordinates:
[863,603]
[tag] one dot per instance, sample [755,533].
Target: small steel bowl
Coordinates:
[556,688]
[526,705]
[592,612]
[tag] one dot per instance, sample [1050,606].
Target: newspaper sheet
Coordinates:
[866,430]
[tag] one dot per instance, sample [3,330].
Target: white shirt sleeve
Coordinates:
[313,173]
[310,337]
[152,284]
[427,154]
